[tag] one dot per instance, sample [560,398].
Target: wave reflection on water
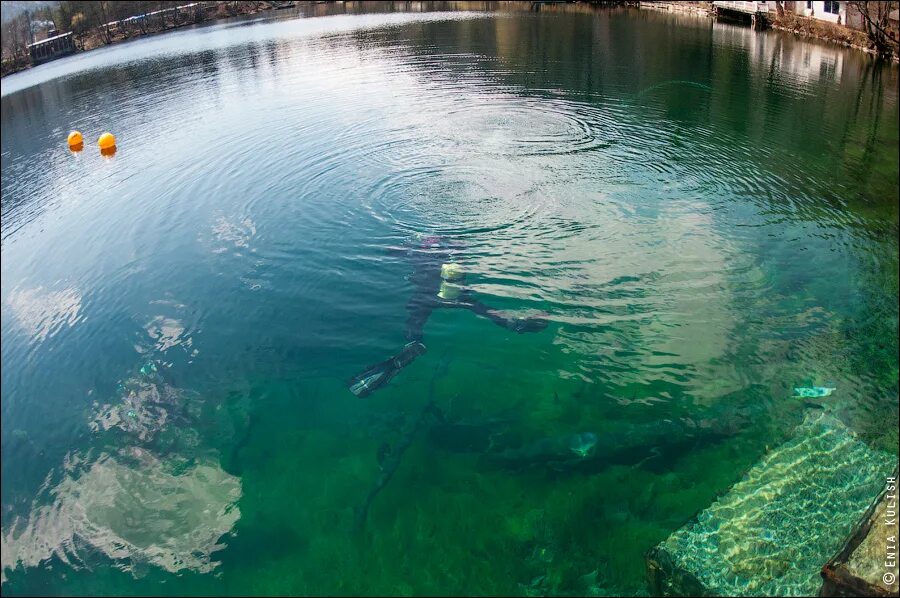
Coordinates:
[134,509]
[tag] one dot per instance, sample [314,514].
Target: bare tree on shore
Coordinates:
[16,37]
[101,13]
[78,24]
[876,18]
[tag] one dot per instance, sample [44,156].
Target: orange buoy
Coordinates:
[76,148]
[106,141]
[75,139]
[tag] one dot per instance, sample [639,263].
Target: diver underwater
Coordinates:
[438,282]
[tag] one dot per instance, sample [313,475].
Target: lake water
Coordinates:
[706,216]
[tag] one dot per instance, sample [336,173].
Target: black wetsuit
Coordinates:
[426,279]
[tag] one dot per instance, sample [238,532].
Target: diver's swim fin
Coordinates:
[376,376]
[368,381]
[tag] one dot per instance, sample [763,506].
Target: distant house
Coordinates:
[41,30]
[51,48]
[833,12]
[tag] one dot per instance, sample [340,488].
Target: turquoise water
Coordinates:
[706,216]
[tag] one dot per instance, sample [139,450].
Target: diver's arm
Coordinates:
[498,318]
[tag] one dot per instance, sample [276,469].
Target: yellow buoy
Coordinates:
[106,141]
[75,139]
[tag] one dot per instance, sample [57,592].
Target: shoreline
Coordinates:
[800,26]
[211,13]
[803,27]
[807,33]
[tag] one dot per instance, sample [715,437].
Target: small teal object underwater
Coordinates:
[581,444]
[811,392]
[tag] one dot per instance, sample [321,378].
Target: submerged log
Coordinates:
[394,458]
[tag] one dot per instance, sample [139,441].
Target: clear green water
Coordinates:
[707,215]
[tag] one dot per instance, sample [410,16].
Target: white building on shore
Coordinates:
[831,11]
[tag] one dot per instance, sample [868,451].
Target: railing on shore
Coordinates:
[162,13]
[750,8]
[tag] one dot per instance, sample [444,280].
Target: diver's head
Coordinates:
[430,241]
[438,242]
